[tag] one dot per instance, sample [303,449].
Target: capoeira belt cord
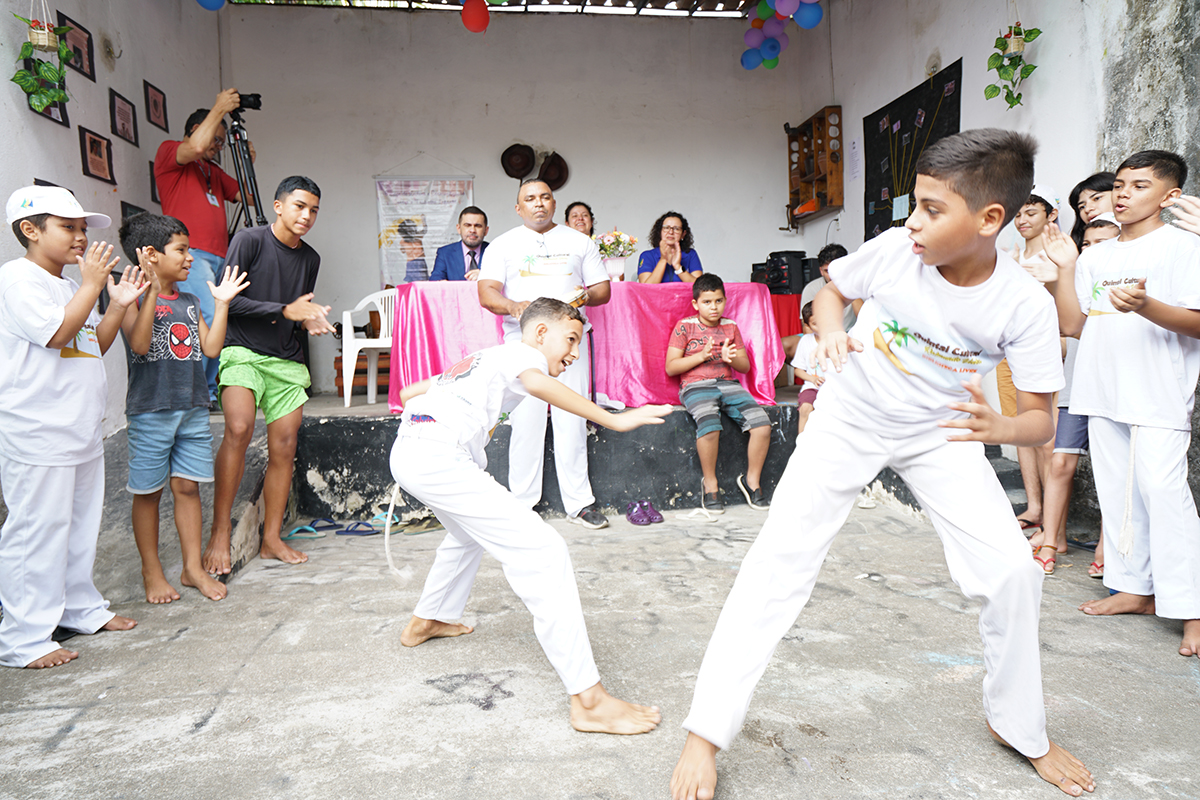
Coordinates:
[387,533]
[1125,543]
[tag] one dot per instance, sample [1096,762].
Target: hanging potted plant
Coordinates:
[1009,63]
[43,81]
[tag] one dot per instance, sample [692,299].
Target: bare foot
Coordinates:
[281,551]
[594,710]
[1059,768]
[216,556]
[422,630]
[695,776]
[119,623]
[1119,603]
[1190,646]
[158,590]
[208,586]
[55,659]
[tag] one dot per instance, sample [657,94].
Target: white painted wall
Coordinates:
[171,44]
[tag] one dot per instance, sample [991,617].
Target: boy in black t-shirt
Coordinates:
[167,405]
[263,364]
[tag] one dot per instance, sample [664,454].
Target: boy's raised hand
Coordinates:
[1129,299]
[1187,213]
[95,266]
[708,348]
[1060,248]
[147,269]
[728,351]
[232,283]
[985,423]
[634,418]
[834,349]
[133,284]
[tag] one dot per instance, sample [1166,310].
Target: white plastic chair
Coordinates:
[385,304]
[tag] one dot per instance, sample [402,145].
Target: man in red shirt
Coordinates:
[194,190]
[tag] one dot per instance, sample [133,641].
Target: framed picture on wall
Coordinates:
[55,112]
[122,116]
[156,106]
[153,186]
[129,209]
[96,153]
[79,39]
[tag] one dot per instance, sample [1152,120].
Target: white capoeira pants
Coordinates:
[985,551]
[47,550]
[481,515]
[527,446]
[1165,560]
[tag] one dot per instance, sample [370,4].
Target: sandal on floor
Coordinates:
[1095,570]
[324,524]
[359,529]
[302,532]
[1047,563]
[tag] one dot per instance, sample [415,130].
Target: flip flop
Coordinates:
[324,524]
[359,529]
[1047,563]
[382,519]
[1095,570]
[1028,527]
[302,532]
[420,525]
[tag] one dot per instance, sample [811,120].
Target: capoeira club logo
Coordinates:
[460,370]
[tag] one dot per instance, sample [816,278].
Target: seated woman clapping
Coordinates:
[672,259]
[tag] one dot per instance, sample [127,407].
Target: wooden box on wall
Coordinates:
[815,157]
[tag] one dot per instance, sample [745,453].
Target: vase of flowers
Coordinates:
[615,246]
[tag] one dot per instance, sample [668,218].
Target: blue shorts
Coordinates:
[169,444]
[705,400]
[1071,435]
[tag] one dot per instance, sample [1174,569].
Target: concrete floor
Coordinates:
[296,686]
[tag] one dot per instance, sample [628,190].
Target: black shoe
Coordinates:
[754,498]
[711,501]
[590,517]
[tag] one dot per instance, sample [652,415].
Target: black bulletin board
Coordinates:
[895,135]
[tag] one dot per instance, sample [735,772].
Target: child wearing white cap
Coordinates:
[52,398]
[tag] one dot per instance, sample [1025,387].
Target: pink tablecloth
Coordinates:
[438,323]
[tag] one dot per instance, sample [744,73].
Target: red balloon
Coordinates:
[475,15]
[756,23]
[780,16]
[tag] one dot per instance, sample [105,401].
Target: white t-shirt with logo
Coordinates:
[923,336]
[1128,369]
[465,402]
[533,265]
[51,401]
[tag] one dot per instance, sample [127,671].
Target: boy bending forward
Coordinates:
[941,305]
[439,459]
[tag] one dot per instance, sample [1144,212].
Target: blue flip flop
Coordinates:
[303,532]
[324,524]
[359,529]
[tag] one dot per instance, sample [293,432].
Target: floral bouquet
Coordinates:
[615,244]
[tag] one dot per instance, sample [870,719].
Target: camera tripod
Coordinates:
[243,167]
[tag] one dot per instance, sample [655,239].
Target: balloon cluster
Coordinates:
[766,39]
[475,14]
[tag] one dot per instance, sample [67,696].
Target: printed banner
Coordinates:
[417,215]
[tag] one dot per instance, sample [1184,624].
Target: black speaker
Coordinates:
[785,272]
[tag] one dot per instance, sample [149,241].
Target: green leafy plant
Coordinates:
[1010,64]
[42,80]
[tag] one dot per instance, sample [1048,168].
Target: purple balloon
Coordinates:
[770,49]
[787,7]
[810,1]
[754,37]
[809,16]
[783,41]
[772,27]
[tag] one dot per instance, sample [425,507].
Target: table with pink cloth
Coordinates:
[439,323]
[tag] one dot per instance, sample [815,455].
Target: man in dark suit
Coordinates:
[460,261]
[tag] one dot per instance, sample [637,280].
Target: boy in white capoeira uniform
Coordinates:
[439,458]
[941,305]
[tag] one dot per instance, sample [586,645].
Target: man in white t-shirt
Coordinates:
[542,259]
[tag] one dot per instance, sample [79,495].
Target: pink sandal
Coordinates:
[1047,563]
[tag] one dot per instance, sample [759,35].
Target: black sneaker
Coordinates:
[590,517]
[754,498]
[711,501]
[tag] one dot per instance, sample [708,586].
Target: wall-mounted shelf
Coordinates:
[815,187]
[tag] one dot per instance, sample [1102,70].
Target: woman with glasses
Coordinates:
[671,259]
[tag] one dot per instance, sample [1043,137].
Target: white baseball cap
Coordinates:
[1049,195]
[31,200]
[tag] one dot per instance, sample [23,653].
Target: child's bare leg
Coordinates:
[706,447]
[1058,768]
[145,535]
[802,417]
[419,631]
[188,520]
[1119,603]
[594,710]
[756,455]
[1190,646]
[1031,476]
[695,776]
[56,659]
[1057,496]
[237,404]
[277,483]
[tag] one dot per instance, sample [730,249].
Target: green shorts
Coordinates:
[278,384]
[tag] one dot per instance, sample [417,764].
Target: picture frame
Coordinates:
[80,41]
[122,117]
[156,106]
[153,185]
[95,152]
[55,112]
[129,209]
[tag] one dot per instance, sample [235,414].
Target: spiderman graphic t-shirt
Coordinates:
[170,377]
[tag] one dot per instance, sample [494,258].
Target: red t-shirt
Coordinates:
[184,189]
[690,335]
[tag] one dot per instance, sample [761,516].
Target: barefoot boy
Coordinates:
[439,458]
[52,396]
[704,351]
[941,305]
[1139,296]
[263,366]
[167,405]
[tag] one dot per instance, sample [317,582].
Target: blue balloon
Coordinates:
[751,59]
[211,5]
[808,16]
[770,48]
[771,3]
